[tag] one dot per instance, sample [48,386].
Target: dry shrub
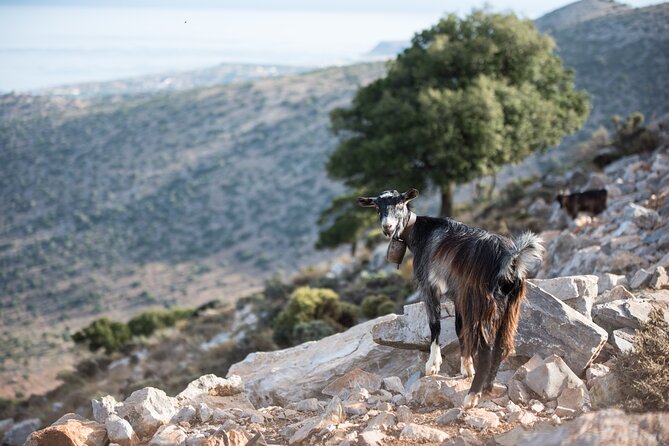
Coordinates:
[643,372]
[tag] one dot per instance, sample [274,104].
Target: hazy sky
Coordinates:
[526,8]
[55,42]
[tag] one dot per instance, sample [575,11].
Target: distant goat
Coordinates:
[484,273]
[592,201]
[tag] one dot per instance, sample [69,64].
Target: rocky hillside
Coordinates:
[589,312]
[618,54]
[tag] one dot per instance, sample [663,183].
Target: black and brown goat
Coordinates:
[484,273]
[592,201]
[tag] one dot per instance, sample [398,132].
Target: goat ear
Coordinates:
[410,195]
[366,202]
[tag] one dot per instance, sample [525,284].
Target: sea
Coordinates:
[45,46]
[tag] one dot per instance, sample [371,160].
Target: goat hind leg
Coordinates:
[433,308]
[484,359]
[466,362]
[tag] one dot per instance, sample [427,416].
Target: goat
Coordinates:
[484,273]
[593,201]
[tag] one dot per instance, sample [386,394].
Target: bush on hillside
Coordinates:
[306,305]
[103,333]
[148,322]
[377,305]
[643,371]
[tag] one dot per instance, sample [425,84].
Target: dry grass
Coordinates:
[643,372]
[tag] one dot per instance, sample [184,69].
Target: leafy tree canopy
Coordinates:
[467,96]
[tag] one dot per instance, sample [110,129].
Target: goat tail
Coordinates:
[527,250]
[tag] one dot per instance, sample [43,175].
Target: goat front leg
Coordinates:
[433,308]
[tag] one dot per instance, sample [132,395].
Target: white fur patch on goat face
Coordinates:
[433,364]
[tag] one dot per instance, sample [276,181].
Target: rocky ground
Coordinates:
[600,281]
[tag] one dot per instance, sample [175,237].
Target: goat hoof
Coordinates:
[471,400]
[432,370]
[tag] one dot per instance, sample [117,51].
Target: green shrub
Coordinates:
[311,331]
[103,333]
[307,304]
[149,321]
[377,305]
[643,371]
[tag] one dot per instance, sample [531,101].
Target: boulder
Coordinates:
[393,384]
[372,438]
[120,431]
[411,330]
[297,373]
[605,427]
[549,379]
[623,339]
[334,414]
[211,385]
[625,313]
[71,432]
[5,425]
[450,416]
[404,414]
[103,408]
[578,292]
[549,326]
[383,422]
[438,391]
[604,391]
[574,399]
[17,434]
[147,409]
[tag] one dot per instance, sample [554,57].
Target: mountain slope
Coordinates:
[621,60]
[161,199]
[578,12]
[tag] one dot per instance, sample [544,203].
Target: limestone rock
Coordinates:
[383,421]
[623,339]
[355,379]
[147,409]
[481,419]
[450,416]
[279,377]
[548,326]
[17,434]
[604,427]
[604,391]
[628,313]
[619,292]
[5,425]
[659,279]
[308,405]
[372,438]
[185,414]
[107,405]
[72,432]
[120,431]
[418,433]
[355,408]
[169,435]
[574,398]
[551,378]
[438,391]
[519,392]
[642,217]
[212,385]
[641,279]
[393,384]
[596,371]
[404,414]
[578,292]
[411,330]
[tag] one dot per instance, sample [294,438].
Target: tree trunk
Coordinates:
[447,200]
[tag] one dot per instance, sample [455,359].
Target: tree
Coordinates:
[467,96]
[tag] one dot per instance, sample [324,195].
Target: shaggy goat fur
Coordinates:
[483,273]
